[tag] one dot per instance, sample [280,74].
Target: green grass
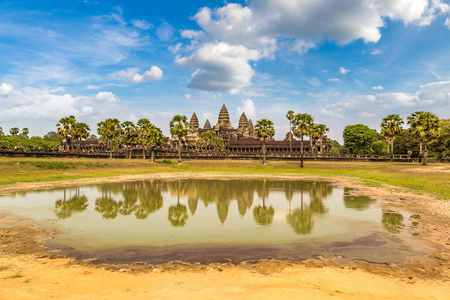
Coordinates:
[433,179]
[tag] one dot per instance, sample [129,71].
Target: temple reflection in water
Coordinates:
[303,200]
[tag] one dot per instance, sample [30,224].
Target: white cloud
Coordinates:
[46,104]
[376,52]
[330,113]
[152,74]
[187,96]
[343,70]
[124,74]
[366,114]
[5,89]
[297,25]
[447,23]
[105,97]
[334,80]
[220,67]
[142,24]
[379,87]
[132,75]
[248,107]
[435,91]
[92,87]
[165,32]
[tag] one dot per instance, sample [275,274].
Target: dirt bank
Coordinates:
[28,271]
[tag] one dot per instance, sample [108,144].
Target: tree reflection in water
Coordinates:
[140,198]
[392,222]
[145,198]
[65,208]
[263,215]
[178,213]
[359,203]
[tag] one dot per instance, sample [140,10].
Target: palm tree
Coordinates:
[149,135]
[143,126]
[14,131]
[108,130]
[130,135]
[264,130]
[301,125]
[25,132]
[391,126]
[426,126]
[290,117]
[80,131]
[317,132]
[210,139]
[65,128]
[179,127]
[322,129]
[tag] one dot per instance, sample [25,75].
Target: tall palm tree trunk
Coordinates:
[143,151]
[290,137]
[264,152]
[425,154]
[153,154]
[392,149]
[179,150]
[301,153]
[420,150]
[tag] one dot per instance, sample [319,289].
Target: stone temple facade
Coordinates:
[223,128]
[241,140]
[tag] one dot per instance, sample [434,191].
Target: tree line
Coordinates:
[426,131]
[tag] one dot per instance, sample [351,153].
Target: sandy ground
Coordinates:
[27,271]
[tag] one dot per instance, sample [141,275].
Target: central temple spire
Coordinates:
[224,118]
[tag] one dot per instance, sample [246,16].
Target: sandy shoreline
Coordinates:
[22,253]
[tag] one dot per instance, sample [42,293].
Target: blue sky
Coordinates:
[342,61]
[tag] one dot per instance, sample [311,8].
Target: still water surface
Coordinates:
[209,220]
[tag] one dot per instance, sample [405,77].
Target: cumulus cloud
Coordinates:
[124,74]
[46,104]
[435,91]
[150,75]
[105,97]
[220,67]
[261,22]
[379,87]
[142,24]
[298,25]
[5,89]
[343,70]
[248,107]
[132,75]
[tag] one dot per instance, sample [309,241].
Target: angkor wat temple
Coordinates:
[241,140]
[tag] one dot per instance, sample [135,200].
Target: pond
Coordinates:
[198,220]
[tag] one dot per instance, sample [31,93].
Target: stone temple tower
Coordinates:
[251,130]
[224,118]
[193,125]
[207,126]
[243,125]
